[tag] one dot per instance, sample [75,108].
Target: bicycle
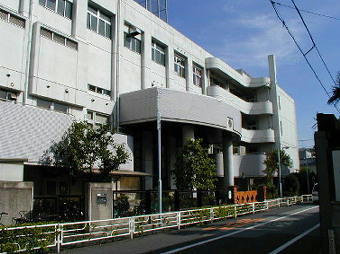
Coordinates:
[1,214]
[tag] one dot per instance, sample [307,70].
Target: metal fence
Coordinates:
[65,234]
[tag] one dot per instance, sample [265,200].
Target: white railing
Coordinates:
[65,234]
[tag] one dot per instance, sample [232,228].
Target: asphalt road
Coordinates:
[283,230]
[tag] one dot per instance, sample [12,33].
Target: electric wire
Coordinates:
[301,51]
[307,11]
[314,44]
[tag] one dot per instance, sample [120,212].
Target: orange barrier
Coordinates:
[245,197]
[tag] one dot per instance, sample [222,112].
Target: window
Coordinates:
[6,95]
[62,7]
[158,53]
[99,90]
[179,64]
[52,106]
[60,107]
[132,43]
[96,119]
[197,75]
[98,22]
[58,38]
[11,18]
[44,104]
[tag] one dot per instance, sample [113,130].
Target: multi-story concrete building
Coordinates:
[115,62]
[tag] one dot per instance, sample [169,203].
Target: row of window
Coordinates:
[99,90]
[50,105]
[58,38]
[9,17]
[62,7]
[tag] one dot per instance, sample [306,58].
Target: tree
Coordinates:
[272,164]
[334,99]
[82,148]
[194,168]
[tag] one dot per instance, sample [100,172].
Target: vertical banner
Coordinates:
[336,170]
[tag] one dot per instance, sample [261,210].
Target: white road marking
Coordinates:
[233,233]
[287,244]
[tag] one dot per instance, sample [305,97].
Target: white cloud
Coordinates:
[260,35]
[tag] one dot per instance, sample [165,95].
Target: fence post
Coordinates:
[235,211]
[178,220]
[58,229]
[131,226]
[253,207]
[211,213]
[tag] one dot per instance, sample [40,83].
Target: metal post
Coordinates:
[178,220]
[159,130]
[280,172]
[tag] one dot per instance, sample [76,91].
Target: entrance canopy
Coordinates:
[176,106]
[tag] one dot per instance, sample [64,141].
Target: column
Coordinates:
[147,157]
[229,174]
[219,164]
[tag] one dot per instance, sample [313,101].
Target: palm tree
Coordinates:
[335,98]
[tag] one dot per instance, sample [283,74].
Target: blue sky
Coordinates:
[244,32]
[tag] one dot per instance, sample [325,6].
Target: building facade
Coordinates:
[114,62]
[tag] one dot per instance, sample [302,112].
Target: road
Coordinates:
[282,230]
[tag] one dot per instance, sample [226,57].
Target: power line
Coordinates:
[301,50]
[314,44]
[307,11]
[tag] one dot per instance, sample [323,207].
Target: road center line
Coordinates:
[287,244]
[233,233]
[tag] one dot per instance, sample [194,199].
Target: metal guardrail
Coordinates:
[87,231]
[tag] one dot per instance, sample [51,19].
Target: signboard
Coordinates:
[336,170]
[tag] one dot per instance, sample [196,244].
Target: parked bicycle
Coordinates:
[1,214]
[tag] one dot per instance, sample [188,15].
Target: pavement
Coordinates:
[281,230]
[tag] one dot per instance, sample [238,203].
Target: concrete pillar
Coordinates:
[99,201]
[188,133]
[219,164]
[228,161]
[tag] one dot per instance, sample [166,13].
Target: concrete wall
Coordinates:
[11,171]
[15,197]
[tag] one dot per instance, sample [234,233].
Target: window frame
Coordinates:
[66,3]
[160,50]
[95,14]
[180,65]
[51,35]
[98,90]
[197,76]
[93,121]
[132,43]
[9,17]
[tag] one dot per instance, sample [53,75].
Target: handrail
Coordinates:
[87,231]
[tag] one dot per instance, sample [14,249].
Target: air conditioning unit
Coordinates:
[134,31]
[230,123]
[12,96]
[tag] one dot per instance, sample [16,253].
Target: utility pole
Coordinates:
[159,132]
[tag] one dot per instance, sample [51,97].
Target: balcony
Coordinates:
[258,136]
[223,69]
[250,108]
